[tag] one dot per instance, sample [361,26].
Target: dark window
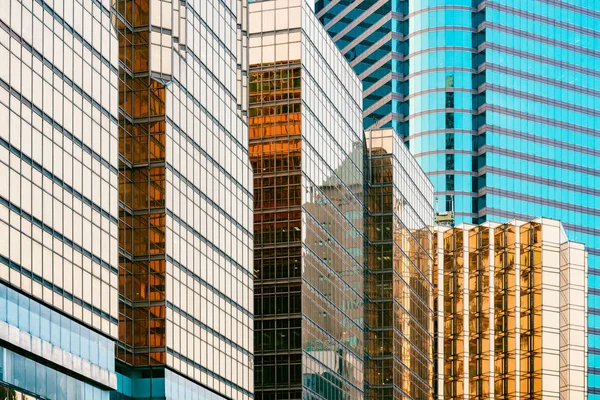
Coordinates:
[282,304]
[283,377]
[268,342]
[450,162]
[268,376]
[449,120]
[475,204]
[295,338]
[449,99]
[450,141]
[449,202]
[295,375]
[449,182]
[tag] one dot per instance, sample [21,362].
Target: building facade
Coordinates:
[511,311]
[307,152]
[399,311]
[59,260]
[185,201]
[498,101]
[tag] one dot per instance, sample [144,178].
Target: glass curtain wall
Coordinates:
[512,320]
[142,192]
[307,153]
[58,199]
[398,289]
[275,153]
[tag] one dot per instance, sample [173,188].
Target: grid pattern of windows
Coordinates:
[440,97]
[512,320]
[398,287]
[369,35]
[498,100]
[417,76]
[27,379]
[58,207]
[306,148]
[141,192]
[333,207]
[58,198]
[275,153]
[42,331]
[540,126]
[185,199]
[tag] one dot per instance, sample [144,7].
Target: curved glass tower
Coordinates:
[499,101]
[440,98]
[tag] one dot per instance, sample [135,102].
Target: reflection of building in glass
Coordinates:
[185,200]
[498,100]
[512,312]
[306,148]
[58,200]
[414,59]
[399,291]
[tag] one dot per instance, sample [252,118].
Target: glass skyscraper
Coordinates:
[185,201]
[59,261]
[126,201]
[498,100]
[307,152]
[399,312]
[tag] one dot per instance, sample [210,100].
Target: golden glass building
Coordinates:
[399,265]
[185,200]
[307,152]
[511,312]
[59,309]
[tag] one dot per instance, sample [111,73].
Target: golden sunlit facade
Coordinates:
[307,153]
[511,312]
[399,289]
[185,200]
[142,172]
[59,218]
[275,153]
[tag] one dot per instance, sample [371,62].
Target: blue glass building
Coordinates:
[498,100]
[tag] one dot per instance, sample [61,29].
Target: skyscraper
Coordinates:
[498,101]
[399,311]
[185,201]
[58,200]
[307,152]
[512,310]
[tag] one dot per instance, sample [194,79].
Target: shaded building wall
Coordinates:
[399,291]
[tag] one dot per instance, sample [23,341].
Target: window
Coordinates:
[449,99]
[449,120]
